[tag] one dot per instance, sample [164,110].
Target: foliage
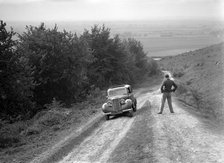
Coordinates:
[115,61]
[15,82]
[47,65]
[59,60]
[178,74]
[8,142]
[152,67]
[108,66]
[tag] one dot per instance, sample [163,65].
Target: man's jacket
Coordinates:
[167,86]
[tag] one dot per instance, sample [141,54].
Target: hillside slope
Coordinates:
[200,75]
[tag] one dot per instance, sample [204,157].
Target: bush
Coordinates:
[60,61]
[96,95]
[178,74]
[48,120]
[32,131]
[16,83]
[152,67]
[182,88]
[54,105]
[51,119]
[189,82]
[189,95]
[6,142]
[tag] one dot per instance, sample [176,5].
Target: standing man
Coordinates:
[167,89]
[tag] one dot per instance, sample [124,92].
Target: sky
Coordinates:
[110,10]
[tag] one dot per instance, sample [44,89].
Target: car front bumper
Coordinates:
[118,108]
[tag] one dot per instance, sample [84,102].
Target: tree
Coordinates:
[15,83]
[46,64]
[136,59]
[108,66]
[59,60]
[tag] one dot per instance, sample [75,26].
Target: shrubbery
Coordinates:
[16,80]
[178,73]
[46,64]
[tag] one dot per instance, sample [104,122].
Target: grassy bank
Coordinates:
[200,75]
[23,140]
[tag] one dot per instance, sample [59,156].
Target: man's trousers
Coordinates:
[166,95]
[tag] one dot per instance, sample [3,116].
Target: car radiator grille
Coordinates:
[116,104]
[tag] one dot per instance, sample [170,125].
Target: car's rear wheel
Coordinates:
[134,106]
[107,117]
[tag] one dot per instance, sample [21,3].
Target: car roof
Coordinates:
[118,86]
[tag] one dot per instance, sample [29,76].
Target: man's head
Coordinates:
[167,76]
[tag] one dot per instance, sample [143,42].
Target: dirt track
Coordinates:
[150,137]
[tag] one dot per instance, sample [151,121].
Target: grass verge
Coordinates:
[24,140]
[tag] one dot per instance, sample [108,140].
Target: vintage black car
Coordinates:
[119,100]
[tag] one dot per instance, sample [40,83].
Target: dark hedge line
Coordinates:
[45,63]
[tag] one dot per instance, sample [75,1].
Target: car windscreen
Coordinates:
[117,91]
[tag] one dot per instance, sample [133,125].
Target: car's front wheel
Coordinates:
[107,117]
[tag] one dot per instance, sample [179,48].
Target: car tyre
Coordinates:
[130,113]
[107,117]
[134,106]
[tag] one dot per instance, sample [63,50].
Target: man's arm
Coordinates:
[162,87]
[175,86]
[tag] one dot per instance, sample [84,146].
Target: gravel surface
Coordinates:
[182,137]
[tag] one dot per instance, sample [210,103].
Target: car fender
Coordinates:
[128,104]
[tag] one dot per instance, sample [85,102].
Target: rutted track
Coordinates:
[94,142]
[101,143]
[183,137]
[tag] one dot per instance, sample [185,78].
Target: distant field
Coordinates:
[159,38]
[175,45]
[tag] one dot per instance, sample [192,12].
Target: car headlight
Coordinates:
[109,103]
[122,101]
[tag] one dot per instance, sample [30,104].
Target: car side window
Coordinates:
[129,89]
